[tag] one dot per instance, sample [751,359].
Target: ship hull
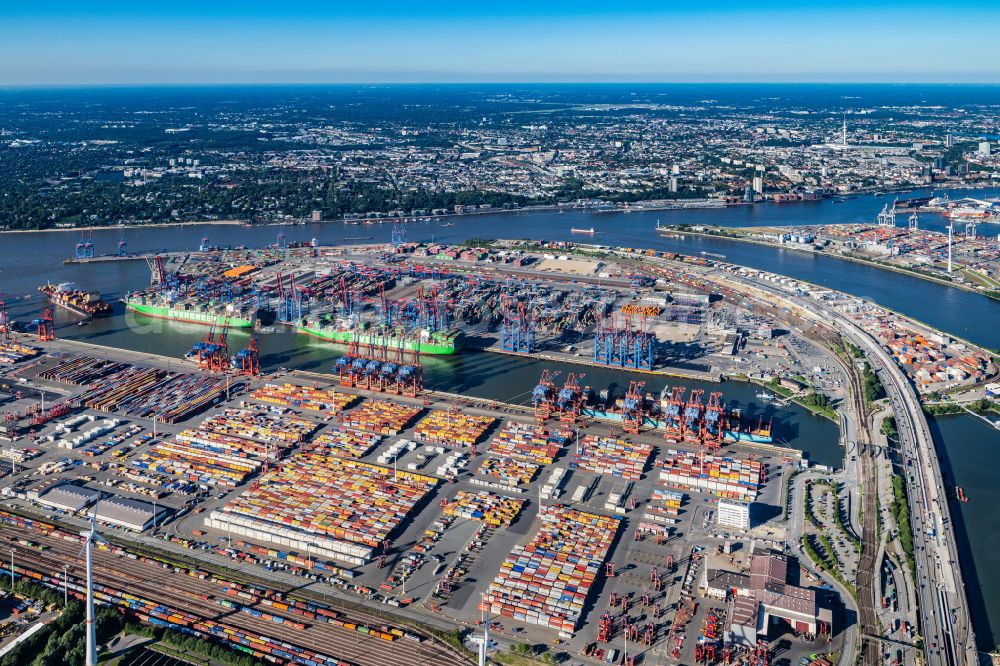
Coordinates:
[345,337]
[77,311]
[738,436]
[187,317]
[97,312]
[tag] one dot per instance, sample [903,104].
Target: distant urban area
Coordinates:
[133,156]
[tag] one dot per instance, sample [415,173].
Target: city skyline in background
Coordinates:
[62,43]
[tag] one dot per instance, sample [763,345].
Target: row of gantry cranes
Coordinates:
[692,421]
[618,343]
[212,353]
[380,366]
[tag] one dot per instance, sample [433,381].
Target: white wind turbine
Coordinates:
[88,545]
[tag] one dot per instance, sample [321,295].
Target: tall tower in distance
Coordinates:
[843,135]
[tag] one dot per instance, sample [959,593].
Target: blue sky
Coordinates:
[218,41]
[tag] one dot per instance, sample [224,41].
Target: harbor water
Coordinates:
[970,447]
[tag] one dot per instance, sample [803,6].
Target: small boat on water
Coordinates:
[961,494]
[712,254]
[765,396]
[574,230]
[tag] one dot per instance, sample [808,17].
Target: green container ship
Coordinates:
[188,313]
[440,343]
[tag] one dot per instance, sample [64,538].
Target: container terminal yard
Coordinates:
[351,516]
[433,300]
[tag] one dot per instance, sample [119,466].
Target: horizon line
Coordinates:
[38,86]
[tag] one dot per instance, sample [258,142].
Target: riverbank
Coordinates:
[749,241]
[631,207]
[143,225]
[735,236]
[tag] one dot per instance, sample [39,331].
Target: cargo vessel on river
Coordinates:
[424,341]
[83,303]
[189,312]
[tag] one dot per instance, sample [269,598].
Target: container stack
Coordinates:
[654,529]
[226,447]
[338,508]
[304,397]
[381,416]
[664,506]
[453,428]
[612,456]
[13,352]
[717,475]
[259,426]
[197,465]
[547,582]
[262,555]
[213,442]
[552,488]
[509,472]
[533,443]
[346,442]
[495,510]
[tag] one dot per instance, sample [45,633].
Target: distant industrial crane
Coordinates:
[398,236]
[85,248]
[970,231]
[951,234]
[887,218]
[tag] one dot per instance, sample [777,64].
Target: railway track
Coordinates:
[866,581]
[201,597]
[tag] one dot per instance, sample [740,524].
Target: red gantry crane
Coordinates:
[46,326]
[570,398]
[543,395]
[4,321]
[633,408]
